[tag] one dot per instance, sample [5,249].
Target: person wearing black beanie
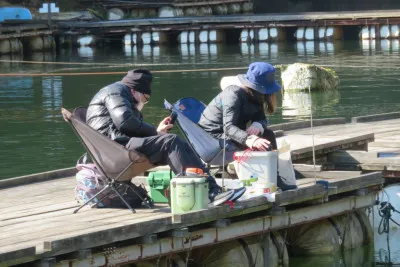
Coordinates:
[115,111]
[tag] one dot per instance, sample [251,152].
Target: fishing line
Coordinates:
[103,63]
[112,73]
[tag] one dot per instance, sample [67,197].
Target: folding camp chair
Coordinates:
[117,163]
[210,149]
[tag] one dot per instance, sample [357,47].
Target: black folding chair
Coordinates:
[118,164]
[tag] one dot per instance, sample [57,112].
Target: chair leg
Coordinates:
[93,197]
[122,198]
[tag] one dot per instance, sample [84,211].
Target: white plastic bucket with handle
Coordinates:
[257,164]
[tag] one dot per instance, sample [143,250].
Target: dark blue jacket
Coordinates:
[112,112]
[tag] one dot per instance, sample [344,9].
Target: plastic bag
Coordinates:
[285,166]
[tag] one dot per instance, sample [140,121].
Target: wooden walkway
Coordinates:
[37,223]
[372,17]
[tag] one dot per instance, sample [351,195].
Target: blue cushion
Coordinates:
[191,108]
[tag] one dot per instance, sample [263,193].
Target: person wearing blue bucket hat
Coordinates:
[245,100]
[260,77]
[238,113]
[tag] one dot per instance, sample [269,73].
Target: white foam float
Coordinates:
[146,38]
[385,32]
[394,31]
[203,36]
[304,33]
[115,14]
[10,46]
[368,32]
[244,36]
[166,12]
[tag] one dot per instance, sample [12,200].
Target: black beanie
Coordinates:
[139,80]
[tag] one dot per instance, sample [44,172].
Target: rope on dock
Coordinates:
[112,73]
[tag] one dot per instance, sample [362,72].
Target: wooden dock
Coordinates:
[373,17]
[37,223]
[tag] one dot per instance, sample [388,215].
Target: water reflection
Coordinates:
[361,256]
[7,64]
[297,104]
[389,45]
[16,90]
[305,48]
[262,49]
[368,47]
[41,56]
[86,52]
[51,97]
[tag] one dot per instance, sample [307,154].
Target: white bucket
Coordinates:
[254,164]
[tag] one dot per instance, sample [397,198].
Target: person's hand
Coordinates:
[261,144]
[164,126]
[253,130]
[257,143]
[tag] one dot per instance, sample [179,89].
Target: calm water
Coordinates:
[34,138]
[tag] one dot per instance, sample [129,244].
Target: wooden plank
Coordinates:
[363,181]
[376,117]
[307,167]
[38,177]
[39,234]
[366,160]
[386,144]
[326,145]
[304,124]
[350,156]
[8,258]
[39,210]
[331,174]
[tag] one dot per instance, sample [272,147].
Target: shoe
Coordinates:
[237,193]
[284,186]
[221,198]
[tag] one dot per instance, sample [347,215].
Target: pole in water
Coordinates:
[312,133]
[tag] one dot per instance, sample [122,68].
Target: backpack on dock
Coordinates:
[90,181]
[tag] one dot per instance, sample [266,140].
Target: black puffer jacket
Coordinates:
[232,109]
[113,113]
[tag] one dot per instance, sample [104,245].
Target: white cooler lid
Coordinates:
[200,180]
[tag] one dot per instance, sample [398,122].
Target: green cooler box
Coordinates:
[158,182]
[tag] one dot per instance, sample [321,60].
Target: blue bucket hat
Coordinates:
[260,77]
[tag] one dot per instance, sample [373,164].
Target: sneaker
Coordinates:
[221,198]
[237,193]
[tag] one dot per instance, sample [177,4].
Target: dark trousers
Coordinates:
[169,149]
[270,136]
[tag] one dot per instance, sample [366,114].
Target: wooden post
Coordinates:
[49,14]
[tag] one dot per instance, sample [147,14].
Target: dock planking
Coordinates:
[37,217]
[56,232]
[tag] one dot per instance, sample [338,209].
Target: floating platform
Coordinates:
[37,224]
[37,221]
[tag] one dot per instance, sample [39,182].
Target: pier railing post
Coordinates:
[49,14]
